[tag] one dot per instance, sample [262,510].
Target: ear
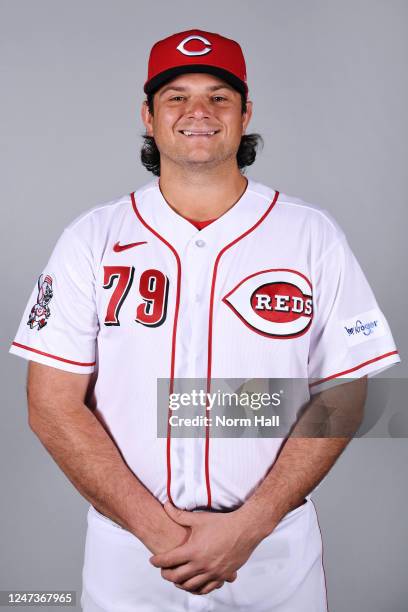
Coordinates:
[147,118]
[246,117]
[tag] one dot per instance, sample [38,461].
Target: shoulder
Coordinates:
[99,221]
[99,216]
[296,211]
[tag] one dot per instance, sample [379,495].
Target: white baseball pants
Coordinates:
[284,573]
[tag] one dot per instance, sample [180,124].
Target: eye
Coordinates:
[177,98]
[219,97]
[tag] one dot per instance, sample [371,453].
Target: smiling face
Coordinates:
[197,121]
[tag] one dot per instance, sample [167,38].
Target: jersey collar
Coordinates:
[178,231]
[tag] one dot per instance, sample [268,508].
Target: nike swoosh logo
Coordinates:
[122,247]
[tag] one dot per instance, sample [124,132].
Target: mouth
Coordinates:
[199,133]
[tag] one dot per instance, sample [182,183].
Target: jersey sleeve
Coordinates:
[350,336]
[59,325]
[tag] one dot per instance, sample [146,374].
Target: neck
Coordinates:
[202,195]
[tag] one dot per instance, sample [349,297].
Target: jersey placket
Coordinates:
[188,455]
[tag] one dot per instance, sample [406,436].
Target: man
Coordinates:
[199,274]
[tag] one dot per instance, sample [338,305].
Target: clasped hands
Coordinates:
[217,545]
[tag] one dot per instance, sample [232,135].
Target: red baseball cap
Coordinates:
[196,51]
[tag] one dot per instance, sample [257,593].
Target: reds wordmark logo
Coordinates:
[277,303]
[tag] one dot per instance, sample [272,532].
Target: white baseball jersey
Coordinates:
[134,292]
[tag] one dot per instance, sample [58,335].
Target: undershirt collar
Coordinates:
[200,224]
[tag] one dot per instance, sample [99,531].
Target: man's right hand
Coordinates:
[172,536]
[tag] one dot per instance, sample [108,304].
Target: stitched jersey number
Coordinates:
[153,287]
[124,276]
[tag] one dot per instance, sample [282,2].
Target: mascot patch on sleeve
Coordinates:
[41,311]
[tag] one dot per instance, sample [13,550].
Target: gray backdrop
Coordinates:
[329,84]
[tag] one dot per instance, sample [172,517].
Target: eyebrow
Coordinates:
[179,88]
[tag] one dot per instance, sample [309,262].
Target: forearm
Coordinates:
[318,438]
[302,464]
[90,459]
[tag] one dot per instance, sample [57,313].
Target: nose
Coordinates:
[197,108]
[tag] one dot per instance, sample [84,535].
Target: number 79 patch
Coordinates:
[153,289]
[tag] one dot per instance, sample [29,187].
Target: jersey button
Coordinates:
[200,243]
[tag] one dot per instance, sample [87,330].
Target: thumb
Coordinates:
[182,517]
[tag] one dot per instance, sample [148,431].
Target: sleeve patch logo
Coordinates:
[276,303]
[41,311]
[364,326]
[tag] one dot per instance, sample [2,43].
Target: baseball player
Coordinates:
[201,273]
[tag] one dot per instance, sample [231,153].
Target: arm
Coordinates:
[90,459]
[319,437]
[220,544]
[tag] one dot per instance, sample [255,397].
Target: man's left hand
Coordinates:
[218,545]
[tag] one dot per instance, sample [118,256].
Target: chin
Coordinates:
[197,158]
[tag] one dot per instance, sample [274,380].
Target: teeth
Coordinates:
[188,133]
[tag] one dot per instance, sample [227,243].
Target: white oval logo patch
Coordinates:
[276,303]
